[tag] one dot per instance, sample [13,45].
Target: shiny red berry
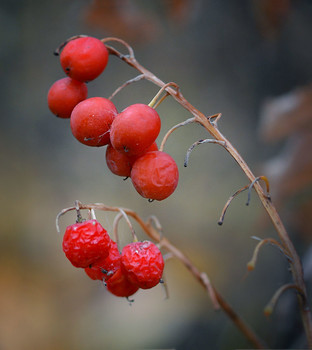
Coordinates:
[64,95]
[85,243]
[91,120]
[155,175]
[120,163]
[135,129]
[84,59]
[120,286]
[104,268]
[142,263]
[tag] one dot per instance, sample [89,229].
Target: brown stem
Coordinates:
[296,267]
[252,263]
[270,306]
[217,300]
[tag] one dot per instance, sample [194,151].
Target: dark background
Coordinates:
[228,57]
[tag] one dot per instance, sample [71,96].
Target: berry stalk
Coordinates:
[212,128]
[156,235]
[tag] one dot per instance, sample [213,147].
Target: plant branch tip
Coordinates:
[199,142]
[112,50]
[227,204]
[250,266]
[172,129]
[128,82]
[154,100]
[265,179]
[268,311]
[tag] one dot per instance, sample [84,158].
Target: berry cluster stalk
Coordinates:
[151,229]
[210,124]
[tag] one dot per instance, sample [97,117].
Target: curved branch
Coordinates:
[201,277]
[170,131]
[271,304]
[128,82]
[252,263]
[200,142]
[227,204]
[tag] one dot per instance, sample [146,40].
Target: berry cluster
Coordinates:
[87,245]
[130,136]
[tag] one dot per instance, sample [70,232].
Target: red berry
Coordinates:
[104,268]
[120,286]
[120,163]
[155,175]
[64,95]
[91,120]
[84,59]
[85,243]
[142,263]
[135,129]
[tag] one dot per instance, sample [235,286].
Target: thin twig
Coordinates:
[170,131]
[227,204]
[271,304]
[120,41]
[265,179]
[60,47]
[130,81]
[252,263]
[202,278]
[189,151]
[163,88]
[209,125]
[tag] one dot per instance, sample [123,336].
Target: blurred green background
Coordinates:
[228,57]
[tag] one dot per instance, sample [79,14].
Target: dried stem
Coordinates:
[162,89]
[227,204]
[265,179]
[58,50]
[170,131]
[212,129]
[252,263]
[200,142]
[271,305]
[201,277]
[130,81]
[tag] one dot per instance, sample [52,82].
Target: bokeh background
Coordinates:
[249,60]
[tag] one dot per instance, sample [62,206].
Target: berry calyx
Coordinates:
[91,120]
[84,59]
[64,95]
[142,263]
[120,286]
[155,175]
[85,243]
[104,268]
[120,163]
[135,129]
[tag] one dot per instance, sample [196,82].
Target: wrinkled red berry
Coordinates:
[104,268]
[142,263]
[135,129]
[91,120]
[120,163]
[155,175]
[85,243]
[120,286]
[84,59]
[64,95]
